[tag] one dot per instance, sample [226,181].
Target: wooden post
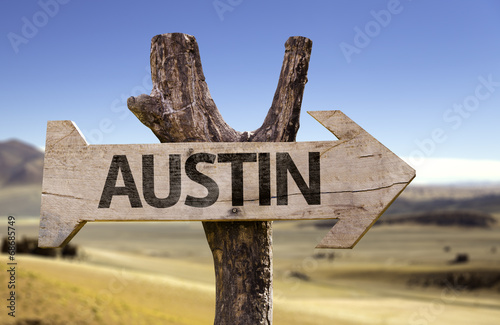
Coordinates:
[180,109]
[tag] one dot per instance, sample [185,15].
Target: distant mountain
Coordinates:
[460,218]
[487,203]
[20,164]
[21,170]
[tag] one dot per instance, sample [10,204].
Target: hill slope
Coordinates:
[21,170]
[20,164]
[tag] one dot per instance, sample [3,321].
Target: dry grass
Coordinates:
[60,292]
[162,274]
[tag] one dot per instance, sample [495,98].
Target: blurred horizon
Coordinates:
[430,171]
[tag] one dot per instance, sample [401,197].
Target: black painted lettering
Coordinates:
[284,164]
[237,160]
[202,179]
[148,182]
[120,163]
[264,179]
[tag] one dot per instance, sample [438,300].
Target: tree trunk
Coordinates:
[180,109]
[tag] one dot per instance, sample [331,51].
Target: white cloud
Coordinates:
[451,170]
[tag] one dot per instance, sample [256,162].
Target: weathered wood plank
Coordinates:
[180,109]
[243,181]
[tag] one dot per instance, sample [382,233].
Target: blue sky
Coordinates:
[423,77]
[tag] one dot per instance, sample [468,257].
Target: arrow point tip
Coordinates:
[56,232]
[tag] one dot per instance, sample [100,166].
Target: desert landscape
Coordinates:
[432,258]
[175,98]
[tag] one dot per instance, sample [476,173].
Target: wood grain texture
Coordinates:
[181,109]
[359,178]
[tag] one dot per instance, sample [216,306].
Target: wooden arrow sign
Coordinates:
[354,179]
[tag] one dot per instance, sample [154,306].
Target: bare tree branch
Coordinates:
[180,109]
